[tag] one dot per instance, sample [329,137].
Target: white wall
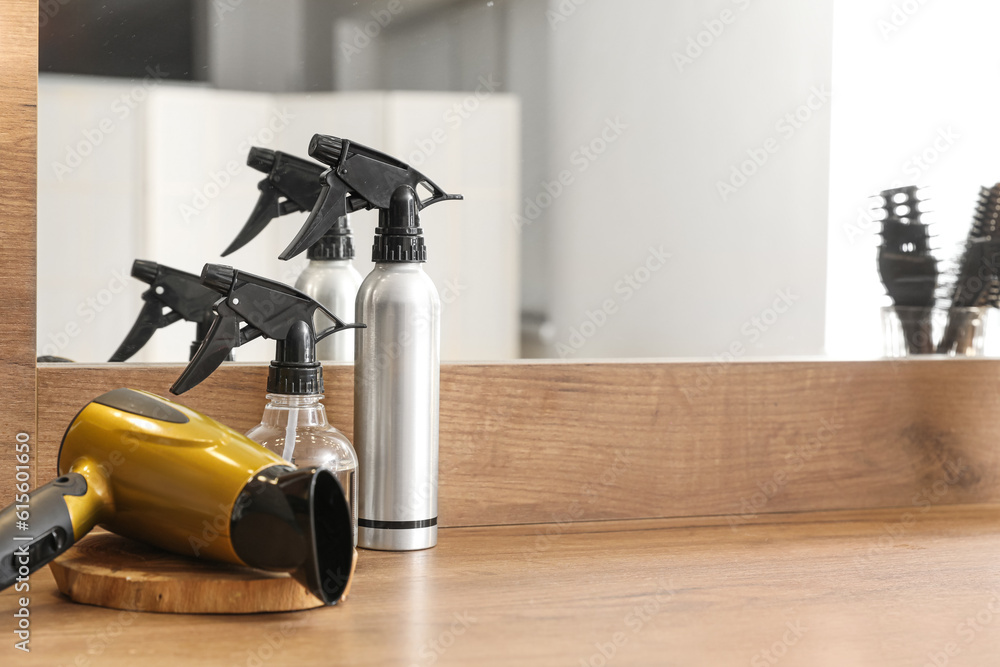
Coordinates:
[87,204]
[581,68]
[455,46]
[684,129]
[914,104]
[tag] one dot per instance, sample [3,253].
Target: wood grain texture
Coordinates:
[107,570]
[559,442]
[18,125]
[811,590]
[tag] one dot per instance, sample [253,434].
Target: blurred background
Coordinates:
[688,179]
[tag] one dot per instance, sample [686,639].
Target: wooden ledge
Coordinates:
[564,442]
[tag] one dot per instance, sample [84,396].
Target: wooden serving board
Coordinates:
[107,570]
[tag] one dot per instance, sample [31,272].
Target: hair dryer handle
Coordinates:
[33,533]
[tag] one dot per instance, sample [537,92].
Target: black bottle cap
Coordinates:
[398,237]
[291,380]
[295,370]
[335,244]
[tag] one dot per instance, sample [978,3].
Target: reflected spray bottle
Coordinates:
[293,184]
[331,279]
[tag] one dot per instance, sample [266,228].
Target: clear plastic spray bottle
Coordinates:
[294,424]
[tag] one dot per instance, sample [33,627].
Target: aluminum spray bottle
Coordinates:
[397,361]
[331,279]
[396,387]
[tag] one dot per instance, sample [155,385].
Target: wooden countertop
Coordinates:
[884,587]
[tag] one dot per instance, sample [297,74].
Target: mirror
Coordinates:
[642,179]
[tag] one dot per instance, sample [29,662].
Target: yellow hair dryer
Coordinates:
[146,468]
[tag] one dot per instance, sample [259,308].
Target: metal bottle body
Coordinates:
[334,283]
[396,399]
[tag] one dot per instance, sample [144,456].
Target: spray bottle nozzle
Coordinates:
[398,237]
[173,295]
[270,309]
[218,277]
[145,271]
[325,148]
[261,159]
[292,184]
[359,177]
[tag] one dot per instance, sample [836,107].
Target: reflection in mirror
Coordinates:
[641,179]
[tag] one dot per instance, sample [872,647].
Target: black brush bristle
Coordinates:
[908,269]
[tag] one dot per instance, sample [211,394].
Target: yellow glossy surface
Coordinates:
[96,505]
[171,485]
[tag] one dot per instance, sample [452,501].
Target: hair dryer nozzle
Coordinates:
[297,521]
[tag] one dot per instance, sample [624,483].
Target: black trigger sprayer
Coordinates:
[173,295]
[293,184]
[358,178]
[294,425]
